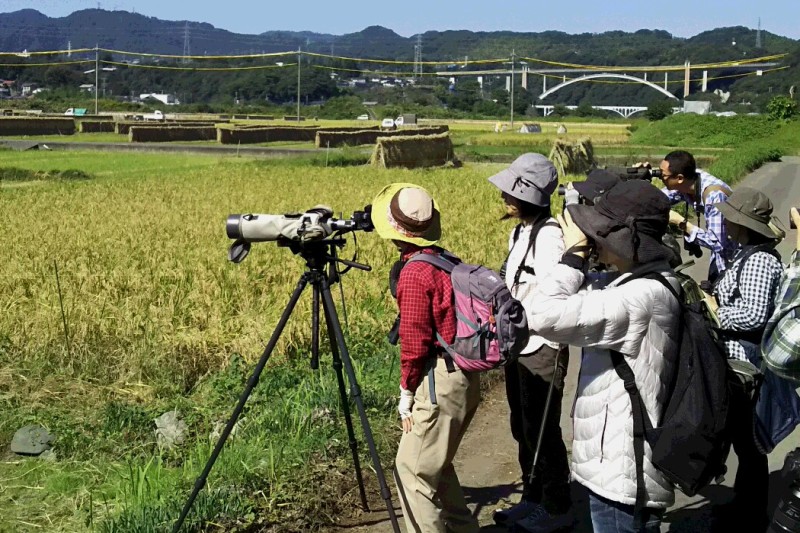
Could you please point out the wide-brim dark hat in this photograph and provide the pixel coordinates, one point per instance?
(630, 220)
(752, 209)
(597, 182)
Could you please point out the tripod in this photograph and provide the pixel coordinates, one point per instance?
(318, 255)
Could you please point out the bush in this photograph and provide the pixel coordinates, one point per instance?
(781, 108)
(658, 110)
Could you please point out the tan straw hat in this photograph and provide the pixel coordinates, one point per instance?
(407, 212)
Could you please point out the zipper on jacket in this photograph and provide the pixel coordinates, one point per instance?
(603, 434)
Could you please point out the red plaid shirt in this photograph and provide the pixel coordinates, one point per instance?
(425, 299)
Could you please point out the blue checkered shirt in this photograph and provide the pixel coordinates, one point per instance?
(750, 310)
(714, 236)
(781, 345)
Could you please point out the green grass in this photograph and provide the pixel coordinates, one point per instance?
(158, 319)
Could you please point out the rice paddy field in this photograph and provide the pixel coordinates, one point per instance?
(118, 303)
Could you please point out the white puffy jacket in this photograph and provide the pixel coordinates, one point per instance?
(638, 319)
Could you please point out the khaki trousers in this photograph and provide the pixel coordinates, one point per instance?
(430, 493)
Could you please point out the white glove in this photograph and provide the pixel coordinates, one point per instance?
(571, 196)
(406, 402)
(313, 225)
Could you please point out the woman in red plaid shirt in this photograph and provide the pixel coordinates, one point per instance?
(429, 489)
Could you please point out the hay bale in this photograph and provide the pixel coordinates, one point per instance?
(264, 134)
(561, 129)
(36, 126)
(413, 151)
(171, 133)
(96, 126)
(357, 137)
(573, 158)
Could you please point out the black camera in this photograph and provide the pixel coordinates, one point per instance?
(787, 514)
(625, 174)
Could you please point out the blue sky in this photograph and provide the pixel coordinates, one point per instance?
(682, 18)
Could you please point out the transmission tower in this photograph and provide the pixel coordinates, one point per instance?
(186, 48)
(418, 58)
(758, 34)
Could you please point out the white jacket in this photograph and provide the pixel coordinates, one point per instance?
(548, 249)
(638, 319)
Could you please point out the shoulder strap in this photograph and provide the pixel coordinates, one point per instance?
(440, 261)
(531, 249)
(641, 424)
(641, 420)
(656, 276)
(745, 256)
(715, 188)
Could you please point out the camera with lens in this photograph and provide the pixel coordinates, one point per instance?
(625, 174)
(316, 224)
(786, 518)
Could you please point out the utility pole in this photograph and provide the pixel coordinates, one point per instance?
(758, 34)
(96, 74)
(513, 58)
(418, 58)
(186, 46)
(298, 84)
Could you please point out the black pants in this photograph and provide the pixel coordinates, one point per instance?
(749, 507)
(527, 383)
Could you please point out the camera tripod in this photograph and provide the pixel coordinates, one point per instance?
(320, 257)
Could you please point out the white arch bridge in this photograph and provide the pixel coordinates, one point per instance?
(587, 77)
(625, 111)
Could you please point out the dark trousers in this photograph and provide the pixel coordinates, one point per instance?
(527, 383)
(751, 486)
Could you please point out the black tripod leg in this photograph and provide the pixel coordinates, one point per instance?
(355, 393)
(251, 383)
(348, 419)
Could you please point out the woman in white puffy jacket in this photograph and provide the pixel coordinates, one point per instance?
(634, 315)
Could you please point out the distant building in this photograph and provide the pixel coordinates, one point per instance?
(87, 87)
(28, 88)
(166, 99)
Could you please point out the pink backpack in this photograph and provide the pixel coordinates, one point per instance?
(491, 326)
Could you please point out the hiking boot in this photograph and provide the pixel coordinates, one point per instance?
(540, 521)
(506, 517)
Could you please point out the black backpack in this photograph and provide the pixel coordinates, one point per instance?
(691, 445)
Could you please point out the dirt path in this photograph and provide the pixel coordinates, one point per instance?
(486, 464)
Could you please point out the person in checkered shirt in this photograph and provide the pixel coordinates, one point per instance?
(746, 294)
(685, 183)
(434, 419)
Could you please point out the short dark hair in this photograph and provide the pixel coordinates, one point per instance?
(682, 162)
(532, 211)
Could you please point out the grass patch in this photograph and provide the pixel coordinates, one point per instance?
(686, 129)
(23, 174)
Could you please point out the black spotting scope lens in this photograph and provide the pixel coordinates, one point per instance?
(232, 227)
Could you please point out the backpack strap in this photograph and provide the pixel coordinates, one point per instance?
(715, 188)
(766, 248)
(531, 249)
(641, 423)
(443, 261)
(641, 420)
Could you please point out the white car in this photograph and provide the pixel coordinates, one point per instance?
(387, 123)
(362, 117)
(398, 121)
